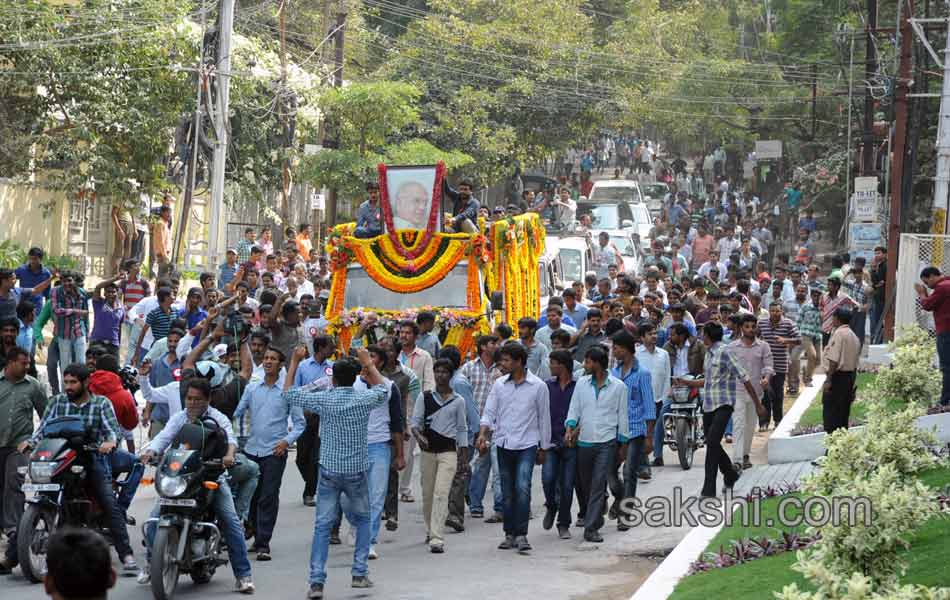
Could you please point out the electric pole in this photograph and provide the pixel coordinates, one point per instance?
(284, 116)
(942, 178)
(814, 100)
(223, 80)
(870, 71)
(195, 143)
(897, 170)
(337, 82)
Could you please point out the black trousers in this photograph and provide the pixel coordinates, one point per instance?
(836, 404)
(774, 400)
(391, 508)
(594, 465)
(308, 453)
(266, 500)
(714, 426)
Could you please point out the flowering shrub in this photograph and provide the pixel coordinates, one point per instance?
(889, 439)
(859, 560)
(870, 546)
(911, 376)
(857, 587)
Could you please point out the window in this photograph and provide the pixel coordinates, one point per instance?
(607, 216)
(572, 263)
(362, 291)
(610, 193)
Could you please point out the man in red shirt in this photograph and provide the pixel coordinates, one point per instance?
(938, 302)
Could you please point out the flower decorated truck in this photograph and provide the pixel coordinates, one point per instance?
(468, 280)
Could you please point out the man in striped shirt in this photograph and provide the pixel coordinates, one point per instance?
(159, 320)
(831, 302)
(781, 335)
(70, 314)
(482, 372)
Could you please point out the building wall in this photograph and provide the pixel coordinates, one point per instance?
(22, 217)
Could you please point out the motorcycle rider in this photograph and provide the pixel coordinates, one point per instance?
(197, 407)
(99, 417)
(105, 381)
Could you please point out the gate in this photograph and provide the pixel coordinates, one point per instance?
(916, 252)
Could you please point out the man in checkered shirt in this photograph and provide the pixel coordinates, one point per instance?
(99, 419)
(722, 375)
(344, 463)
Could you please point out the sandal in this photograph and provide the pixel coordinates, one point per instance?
(406, 498)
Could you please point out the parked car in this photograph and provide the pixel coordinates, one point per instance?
(616, 190)
(654, 193)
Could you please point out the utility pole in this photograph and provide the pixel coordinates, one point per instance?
(223, 75)
(942, 177)
(814, 100)
(284, 116)
(897, 172)
(337, 82)
(195, 143)
(870, 70)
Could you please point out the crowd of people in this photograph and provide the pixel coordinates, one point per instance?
(715, 312)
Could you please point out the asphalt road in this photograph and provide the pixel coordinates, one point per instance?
(471, 567)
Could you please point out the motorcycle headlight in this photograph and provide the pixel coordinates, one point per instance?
(42, 472)
(172, 487)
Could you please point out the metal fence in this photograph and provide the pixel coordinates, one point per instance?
(916, 252)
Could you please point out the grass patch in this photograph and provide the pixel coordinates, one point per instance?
(768, 523)
(926, 559)
(812, 415)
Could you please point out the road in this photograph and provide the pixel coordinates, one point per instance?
(470, 568)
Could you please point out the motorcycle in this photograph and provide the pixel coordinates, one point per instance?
(187, 538)
(62, 495)
(682, 424)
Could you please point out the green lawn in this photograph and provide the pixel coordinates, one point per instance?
(927, 558)
(812, 415)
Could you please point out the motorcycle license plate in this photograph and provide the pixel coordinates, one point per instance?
(30, 488)
(177, 502)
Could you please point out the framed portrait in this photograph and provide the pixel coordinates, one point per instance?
(411, 197)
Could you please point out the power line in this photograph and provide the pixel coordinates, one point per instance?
(393, 8)
(611, 67)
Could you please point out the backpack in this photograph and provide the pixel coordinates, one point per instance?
(437, 441)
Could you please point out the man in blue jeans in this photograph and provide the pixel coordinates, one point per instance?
(344, 462)
(641, 412)
(517, 415)
(99, 419)
(938, 302)
(560, 462)
(197, 407)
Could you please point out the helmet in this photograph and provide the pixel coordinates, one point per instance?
(214, 372)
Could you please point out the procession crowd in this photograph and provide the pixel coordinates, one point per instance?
(715, 312)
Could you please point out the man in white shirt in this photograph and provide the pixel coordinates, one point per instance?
(656, 360)
(713, 261)
(564, 207)
(554, 313)
(517, 415)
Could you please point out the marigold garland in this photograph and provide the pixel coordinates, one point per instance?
(461, 327)
(517, 246)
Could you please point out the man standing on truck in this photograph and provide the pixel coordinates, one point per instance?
(464, 206)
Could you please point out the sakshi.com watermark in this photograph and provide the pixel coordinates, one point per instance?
(683, 510)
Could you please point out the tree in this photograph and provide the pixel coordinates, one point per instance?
(93, 92)
(375, 123)
(501, 81)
